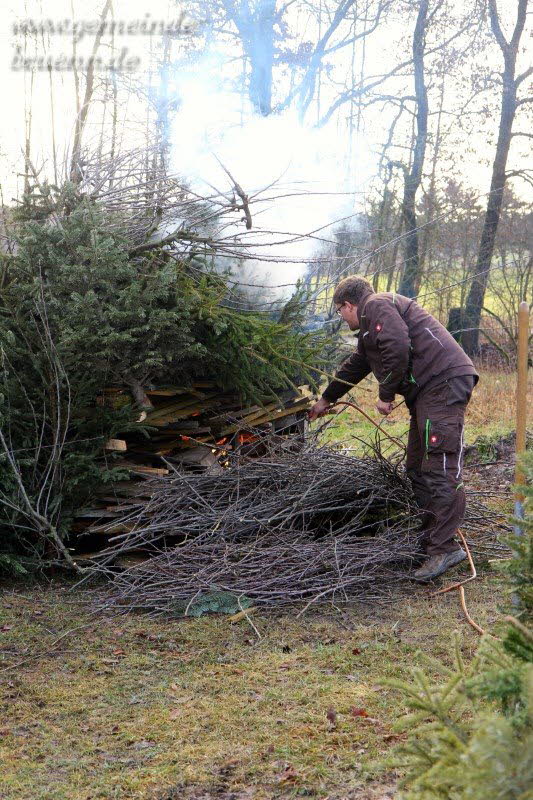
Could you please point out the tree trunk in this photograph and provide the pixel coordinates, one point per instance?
(476, 294)
(428, 234)
(163, 106)
(262, 58)
(256, 30)
(28, 119)
(81, 119)
(114, 116)
(52, 111)
(413, 178)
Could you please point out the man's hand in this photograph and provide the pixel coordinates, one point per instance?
(320, 408)
(384, 408)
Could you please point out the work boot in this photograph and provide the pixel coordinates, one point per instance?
(436, 565)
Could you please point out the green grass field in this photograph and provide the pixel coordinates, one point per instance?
(131, 708)
(100, 707)
(490, 413)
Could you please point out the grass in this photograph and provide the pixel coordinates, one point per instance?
(490, 413)
(133, 708)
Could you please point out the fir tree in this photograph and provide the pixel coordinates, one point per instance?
(472, 735)
(78, 313)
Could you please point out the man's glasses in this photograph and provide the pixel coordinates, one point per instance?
(339, 309)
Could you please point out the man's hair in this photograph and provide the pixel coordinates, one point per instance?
(351, 290)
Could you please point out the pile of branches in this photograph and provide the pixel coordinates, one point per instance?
(319, 525)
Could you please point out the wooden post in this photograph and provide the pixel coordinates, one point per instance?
(521, 392)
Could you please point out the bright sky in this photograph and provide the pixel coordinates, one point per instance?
(17, 83)
(208, 124)
(209, 120)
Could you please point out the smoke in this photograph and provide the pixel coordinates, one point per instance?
(311, 185)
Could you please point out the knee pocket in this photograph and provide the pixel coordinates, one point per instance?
(444, 491)
(441, 462)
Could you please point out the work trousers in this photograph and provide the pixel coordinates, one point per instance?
(434, 461)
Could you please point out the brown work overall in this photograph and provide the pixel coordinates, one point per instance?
(434, 460)
(412, 354)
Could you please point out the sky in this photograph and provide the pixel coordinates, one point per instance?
(207, 130)
(208, 127)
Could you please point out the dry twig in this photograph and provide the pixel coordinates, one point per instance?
(282, 529)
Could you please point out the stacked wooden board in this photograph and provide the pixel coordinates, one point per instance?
(188, 428)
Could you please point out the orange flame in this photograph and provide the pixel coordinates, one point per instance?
(247, 437)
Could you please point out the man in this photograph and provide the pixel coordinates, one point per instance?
(413, 355)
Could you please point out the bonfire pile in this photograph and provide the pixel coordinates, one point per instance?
(313, 526)
(196, 428)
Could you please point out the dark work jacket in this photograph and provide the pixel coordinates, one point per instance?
(405, 347)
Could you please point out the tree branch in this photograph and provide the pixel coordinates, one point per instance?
(520, 78)
(177, 235)
(496, 28)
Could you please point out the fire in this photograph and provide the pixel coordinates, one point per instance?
(186, 438)
(243, 438)
(222, 441)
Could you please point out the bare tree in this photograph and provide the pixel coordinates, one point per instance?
(28, 118)
(509, 105)
(260, 26)
(512, 281)
(305, 91)
(163, 104)
(81, 118)
(255, 25)
(413, 177)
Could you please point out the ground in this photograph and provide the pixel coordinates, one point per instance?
(94, 706)
(133, 708)
(489, 416)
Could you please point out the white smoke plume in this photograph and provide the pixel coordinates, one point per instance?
(211, 126)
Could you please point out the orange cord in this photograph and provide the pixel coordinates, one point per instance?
(353, 405)
(460, 587)
(460, 584)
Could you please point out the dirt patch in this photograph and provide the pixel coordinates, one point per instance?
(202, 793)
(490, 464)
(205, 710)
(374, 791)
